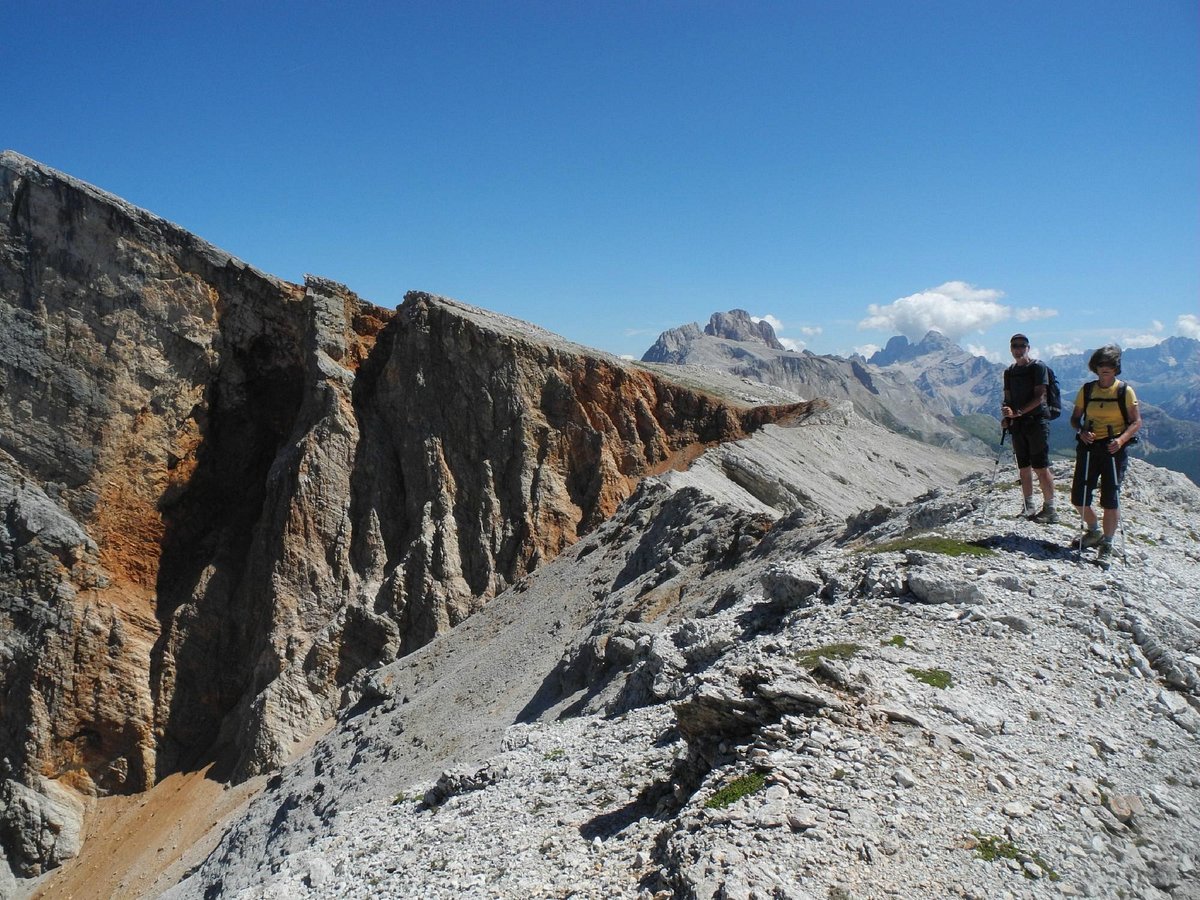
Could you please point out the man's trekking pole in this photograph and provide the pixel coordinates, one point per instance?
(995, 468)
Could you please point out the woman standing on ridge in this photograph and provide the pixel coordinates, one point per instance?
(1106, 419)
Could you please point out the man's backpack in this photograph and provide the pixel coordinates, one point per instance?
(1053, 391)
(1087, 398)
(1054, 395)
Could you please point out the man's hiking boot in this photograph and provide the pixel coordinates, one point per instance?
(1104, 554)
(1091, 538)
(1047, 516)
(1028, 509)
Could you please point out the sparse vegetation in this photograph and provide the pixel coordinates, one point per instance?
(932, 543)
(896, 640)
(400, 798)
(740, 787)
(938, 678)
(556, 753)
(809, 658)
(991, 847)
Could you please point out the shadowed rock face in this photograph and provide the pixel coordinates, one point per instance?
(222, 495)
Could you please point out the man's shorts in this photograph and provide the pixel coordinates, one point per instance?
(1031, 444)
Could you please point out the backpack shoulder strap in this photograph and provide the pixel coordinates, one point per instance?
(1087, 397)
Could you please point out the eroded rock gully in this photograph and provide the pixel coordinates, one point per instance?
(222, 495)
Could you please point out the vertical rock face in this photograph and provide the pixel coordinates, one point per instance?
(222, 495)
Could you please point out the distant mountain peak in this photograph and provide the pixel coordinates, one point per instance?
(936, 340)
(900, 349)
(738, 325)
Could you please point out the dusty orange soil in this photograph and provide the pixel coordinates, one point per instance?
(137, 846)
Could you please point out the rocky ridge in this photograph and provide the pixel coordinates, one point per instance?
(224, 496)
(928, 700)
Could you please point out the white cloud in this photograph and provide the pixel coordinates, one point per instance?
(1131, 341)
(989, 355)
(1157, 325)
(770, 320)
(1062, 350)
(953, 308)
(1188, 326)
(1033, 313)
(787, 343)
(626, 356)
(867, 350)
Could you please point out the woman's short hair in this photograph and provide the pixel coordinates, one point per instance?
(1109, 355)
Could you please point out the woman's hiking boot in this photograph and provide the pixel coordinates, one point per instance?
(1091, 538)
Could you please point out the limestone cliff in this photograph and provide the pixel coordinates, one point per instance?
(223, 495)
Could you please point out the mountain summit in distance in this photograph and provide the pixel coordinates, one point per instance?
(732, 342)
(900, 349)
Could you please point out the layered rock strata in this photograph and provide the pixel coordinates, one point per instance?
(222, 495)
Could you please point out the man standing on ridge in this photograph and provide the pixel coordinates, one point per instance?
(1025, 417)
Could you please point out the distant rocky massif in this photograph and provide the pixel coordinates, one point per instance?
(732, 342)
(452, 607)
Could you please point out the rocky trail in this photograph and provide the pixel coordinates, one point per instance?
(932, 705)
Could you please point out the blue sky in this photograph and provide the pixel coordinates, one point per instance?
(608, 170)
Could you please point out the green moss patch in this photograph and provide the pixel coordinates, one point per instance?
(740, 787)
(938, 678)
(809, 658)
(991, 847)
(932, 543)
